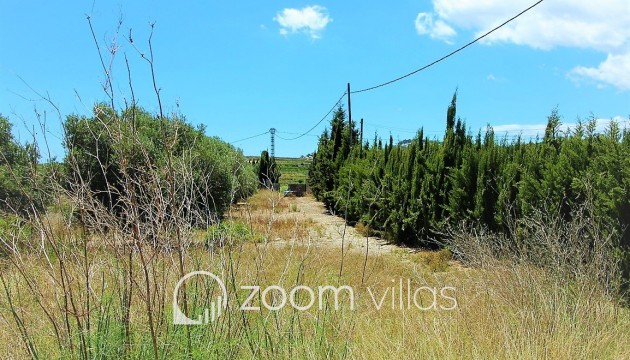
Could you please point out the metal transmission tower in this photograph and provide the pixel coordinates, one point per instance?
(272, 131)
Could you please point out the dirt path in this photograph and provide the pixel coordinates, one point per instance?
(331, 231)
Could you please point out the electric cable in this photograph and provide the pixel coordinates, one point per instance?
(251, 137)
(319, 122)
(448, 55)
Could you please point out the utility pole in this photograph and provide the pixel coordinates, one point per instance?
(272, 131)
(361, 137)
(349, 115)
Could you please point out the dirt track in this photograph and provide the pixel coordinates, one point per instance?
(331, 231)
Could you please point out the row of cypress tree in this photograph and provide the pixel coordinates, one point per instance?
(410, 193)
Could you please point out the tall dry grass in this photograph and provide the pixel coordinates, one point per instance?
(505, 308)
(271, 216)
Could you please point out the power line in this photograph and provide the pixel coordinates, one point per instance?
(298, 135)
(290, 133)
(380, 126)
(319, 122)
(251, 137)
(450, 54)
(397, 79)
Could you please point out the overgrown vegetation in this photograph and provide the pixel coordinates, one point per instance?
(111, 151)
(507, 308)
(414, 193)
(270, 216)
(20, 181)
(91, 255)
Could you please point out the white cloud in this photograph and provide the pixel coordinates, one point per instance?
(600, 25)
(515, 129)
(423, 23)
(441, 30)
(310, 20)
(614, 70)
(586, 24)
(435, 29)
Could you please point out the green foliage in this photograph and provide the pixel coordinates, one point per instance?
(294, 171)
(414, 192)
(134, 151)
(230, 232)
(268, 171)
(332, 153)
(19, 177)
(14, 231)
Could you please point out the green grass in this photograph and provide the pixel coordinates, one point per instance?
(294, 171)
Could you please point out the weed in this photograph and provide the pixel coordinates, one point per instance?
(230, 233)
(437, 261)
(364, 229)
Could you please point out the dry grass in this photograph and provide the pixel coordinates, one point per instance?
(509, 310)
(364, 230)
(498, 316)
(268, 200)
(274, 217)
(437, 261)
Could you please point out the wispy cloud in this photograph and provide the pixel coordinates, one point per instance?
(438, 29)
(584, 24)
(310, 20)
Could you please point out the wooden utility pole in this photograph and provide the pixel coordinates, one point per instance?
(349, 115)
(361, 137)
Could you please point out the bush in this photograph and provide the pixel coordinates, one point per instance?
(18, 173)
(582, 253)
(230, 232)
(13, 232)
(160, 164)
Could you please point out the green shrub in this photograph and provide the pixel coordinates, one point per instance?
(18, 165)
(230, 232)
(13, 232)
(158, 160)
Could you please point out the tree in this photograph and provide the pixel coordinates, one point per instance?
(18, 170)
(412, 193)
(320, 179)
(332, 152)
(268, 172)
(117, 155)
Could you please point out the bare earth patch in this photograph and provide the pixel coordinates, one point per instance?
(325, 230)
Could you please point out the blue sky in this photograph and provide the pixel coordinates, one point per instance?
(242, 67)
